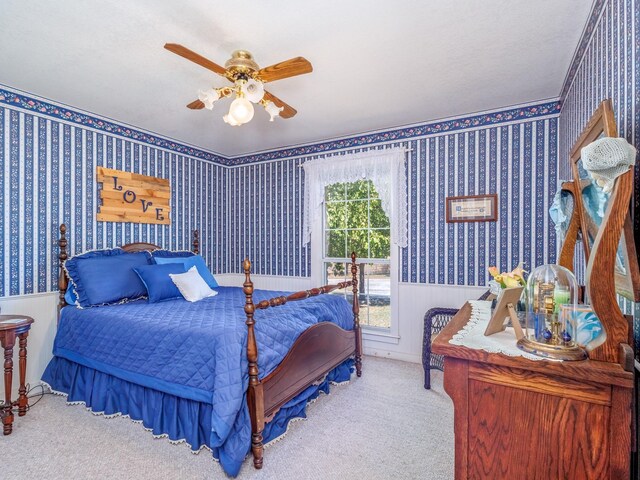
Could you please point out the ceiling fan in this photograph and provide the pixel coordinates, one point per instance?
(248, 84)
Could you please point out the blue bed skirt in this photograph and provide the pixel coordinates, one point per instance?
(164, 414)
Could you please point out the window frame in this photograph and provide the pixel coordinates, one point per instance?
(378, 334)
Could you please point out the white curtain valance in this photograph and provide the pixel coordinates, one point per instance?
(385, 168)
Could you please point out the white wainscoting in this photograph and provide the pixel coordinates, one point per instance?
(42, 308)
(266, 282)
(415, 300)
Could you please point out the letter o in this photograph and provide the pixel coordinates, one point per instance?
(129, 195)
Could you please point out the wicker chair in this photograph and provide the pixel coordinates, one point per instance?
(434, 321)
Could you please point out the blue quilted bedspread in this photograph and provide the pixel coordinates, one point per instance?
(194, 350)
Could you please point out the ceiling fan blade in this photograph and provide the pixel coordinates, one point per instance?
(288, 68)
(288, 111)
(196, 105)
(194, 57)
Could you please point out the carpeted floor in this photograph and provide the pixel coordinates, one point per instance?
(383, 425)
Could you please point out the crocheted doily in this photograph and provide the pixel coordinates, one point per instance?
(472, 334)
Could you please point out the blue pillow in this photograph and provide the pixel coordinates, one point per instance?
(104, 277)
(188, 262)
(171, 254)
(156, 279)
(70, 295)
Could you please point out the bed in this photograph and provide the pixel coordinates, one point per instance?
(227, 373)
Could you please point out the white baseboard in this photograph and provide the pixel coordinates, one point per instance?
(405, 357)
(266, 282)
(414, 300)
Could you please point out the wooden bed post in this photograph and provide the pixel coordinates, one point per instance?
(62, 276)
(196, 242)
(255, 396)
(356, 314)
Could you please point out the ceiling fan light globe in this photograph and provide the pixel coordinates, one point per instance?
(208, 97)
(241, 110)
(272, 110)
(253, 90)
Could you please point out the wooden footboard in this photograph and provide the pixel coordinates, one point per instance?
(317, 351)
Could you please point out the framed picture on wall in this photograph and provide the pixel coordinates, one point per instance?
(472, 208)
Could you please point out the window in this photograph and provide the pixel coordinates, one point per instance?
(355, 221)
(344, 212)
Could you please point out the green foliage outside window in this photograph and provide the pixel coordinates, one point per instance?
(355, 221)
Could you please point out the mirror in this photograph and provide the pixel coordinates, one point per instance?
(593, 205)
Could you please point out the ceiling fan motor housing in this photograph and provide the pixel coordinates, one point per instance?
(241, 62)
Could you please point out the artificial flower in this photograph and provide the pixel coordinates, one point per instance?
(514, 278)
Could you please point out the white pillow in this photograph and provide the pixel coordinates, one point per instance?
(191, 285)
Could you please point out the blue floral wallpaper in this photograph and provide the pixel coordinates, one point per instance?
(604, 66)
(512, 152)
(28, 103)
(399, 134)
(48, 158)
(252, 206)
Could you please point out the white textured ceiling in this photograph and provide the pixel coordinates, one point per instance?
(377, 64)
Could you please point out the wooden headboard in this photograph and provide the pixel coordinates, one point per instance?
(63, 279)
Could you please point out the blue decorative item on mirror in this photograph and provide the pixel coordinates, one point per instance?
(589, 332)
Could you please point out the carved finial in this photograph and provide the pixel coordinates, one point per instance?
(62, 276)
(62, 243)
(196, 242)
(247, 288)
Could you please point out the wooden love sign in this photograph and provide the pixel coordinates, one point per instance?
(131, 197)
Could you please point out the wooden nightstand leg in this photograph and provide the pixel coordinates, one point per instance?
(22, 392)
(8, 342)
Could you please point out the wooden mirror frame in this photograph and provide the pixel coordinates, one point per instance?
(602, 282)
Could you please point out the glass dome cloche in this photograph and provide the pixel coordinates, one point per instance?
(551, 297)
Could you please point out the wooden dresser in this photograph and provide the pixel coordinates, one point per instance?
(522, 419)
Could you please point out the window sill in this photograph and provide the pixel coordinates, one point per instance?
(376, 336)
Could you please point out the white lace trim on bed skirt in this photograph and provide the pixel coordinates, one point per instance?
(472, 334)
(183, 440)
(120, 414)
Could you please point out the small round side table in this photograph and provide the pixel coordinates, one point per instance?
(12, 327)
